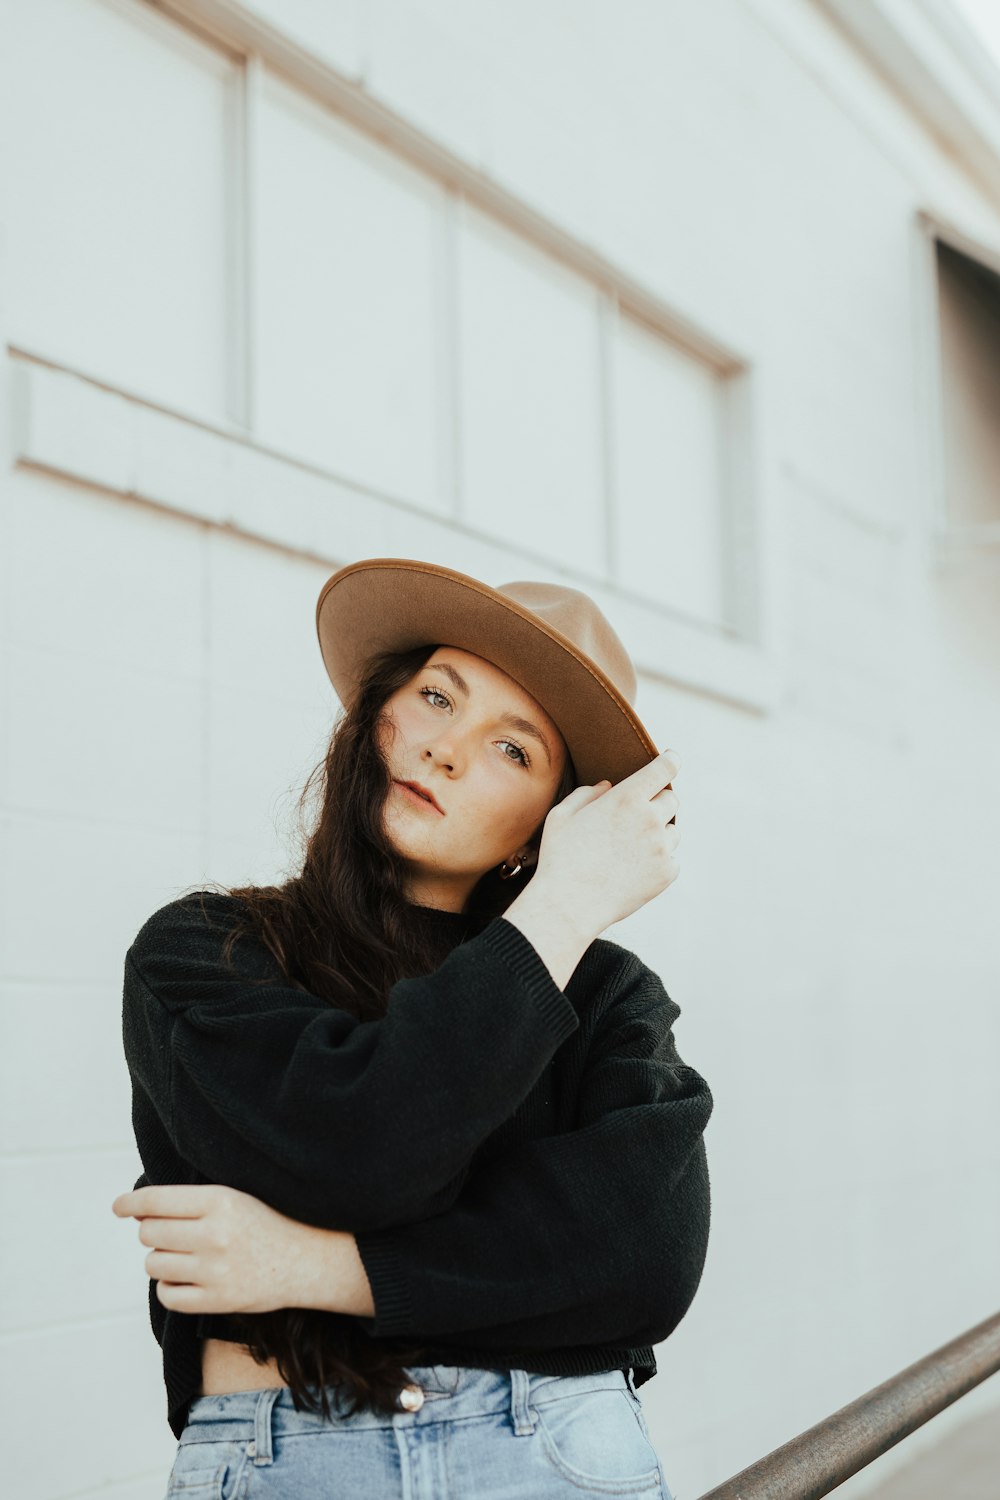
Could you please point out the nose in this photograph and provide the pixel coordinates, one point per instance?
(442, 757)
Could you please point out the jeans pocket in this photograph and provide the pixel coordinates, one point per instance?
(592, 1439)
(206, 1471)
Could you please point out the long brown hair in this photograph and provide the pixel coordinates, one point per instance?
(343, 930)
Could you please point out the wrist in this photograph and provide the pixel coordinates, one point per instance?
(544, 898)
(330, 1275)
(558, 934)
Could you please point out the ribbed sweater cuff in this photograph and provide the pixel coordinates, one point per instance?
(392, 1292)
(510, 943)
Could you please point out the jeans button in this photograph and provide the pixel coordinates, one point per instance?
(411, 1398)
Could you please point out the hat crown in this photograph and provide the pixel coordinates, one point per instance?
(574, 615)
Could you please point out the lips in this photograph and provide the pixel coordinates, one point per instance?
(422, 791)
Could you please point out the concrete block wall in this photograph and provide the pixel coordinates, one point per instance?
(829, 939)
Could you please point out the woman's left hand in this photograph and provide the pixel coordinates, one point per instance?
(219, 1250)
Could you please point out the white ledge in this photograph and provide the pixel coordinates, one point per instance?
(67, 424)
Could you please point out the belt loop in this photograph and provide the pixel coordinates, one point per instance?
(630, 1377)
(520, 1411)
(260, 1448)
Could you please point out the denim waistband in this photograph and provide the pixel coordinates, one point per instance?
(447, 1393)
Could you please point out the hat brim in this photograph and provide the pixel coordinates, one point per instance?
(395, 604)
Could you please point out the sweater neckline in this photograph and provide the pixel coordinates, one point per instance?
(437, 916)
(438, 925)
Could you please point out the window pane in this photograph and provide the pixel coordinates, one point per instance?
(117, 139)
(347, 317)
(529, 383)
(668, 461)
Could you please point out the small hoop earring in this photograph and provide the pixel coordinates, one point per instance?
(506, 872)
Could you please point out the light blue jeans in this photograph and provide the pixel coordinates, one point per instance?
(469, 1434)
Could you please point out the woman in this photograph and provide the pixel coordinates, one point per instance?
(425, 1177)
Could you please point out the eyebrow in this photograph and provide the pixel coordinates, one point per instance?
(514, 721)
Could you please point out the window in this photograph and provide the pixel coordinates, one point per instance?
(968, 293)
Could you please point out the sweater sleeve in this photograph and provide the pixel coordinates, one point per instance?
(329, 1119)
(598, 1234)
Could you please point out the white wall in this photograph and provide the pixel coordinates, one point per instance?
(194, 435)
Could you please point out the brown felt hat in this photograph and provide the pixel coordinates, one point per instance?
(552, 640)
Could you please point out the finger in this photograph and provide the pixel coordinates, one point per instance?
(583, 790)
(657, 773)
(169, 1200)
(167, 1265)
(172, 1234)
(181, 1298)
(669, 760)
(666, 797)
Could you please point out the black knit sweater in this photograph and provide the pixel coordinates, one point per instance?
(523, 1167)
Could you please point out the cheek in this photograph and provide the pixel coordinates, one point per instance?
(400, 721)
(521, 813)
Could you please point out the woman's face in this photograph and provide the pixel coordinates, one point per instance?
(452, 729)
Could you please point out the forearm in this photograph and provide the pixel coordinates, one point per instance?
(282, 1096)
(541, 1248)
(558, 935)
(326, 1272)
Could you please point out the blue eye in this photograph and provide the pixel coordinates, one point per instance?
(525, 761)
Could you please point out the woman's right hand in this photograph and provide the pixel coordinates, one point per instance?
(606, 850)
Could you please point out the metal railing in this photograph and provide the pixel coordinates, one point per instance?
(821, 1458)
